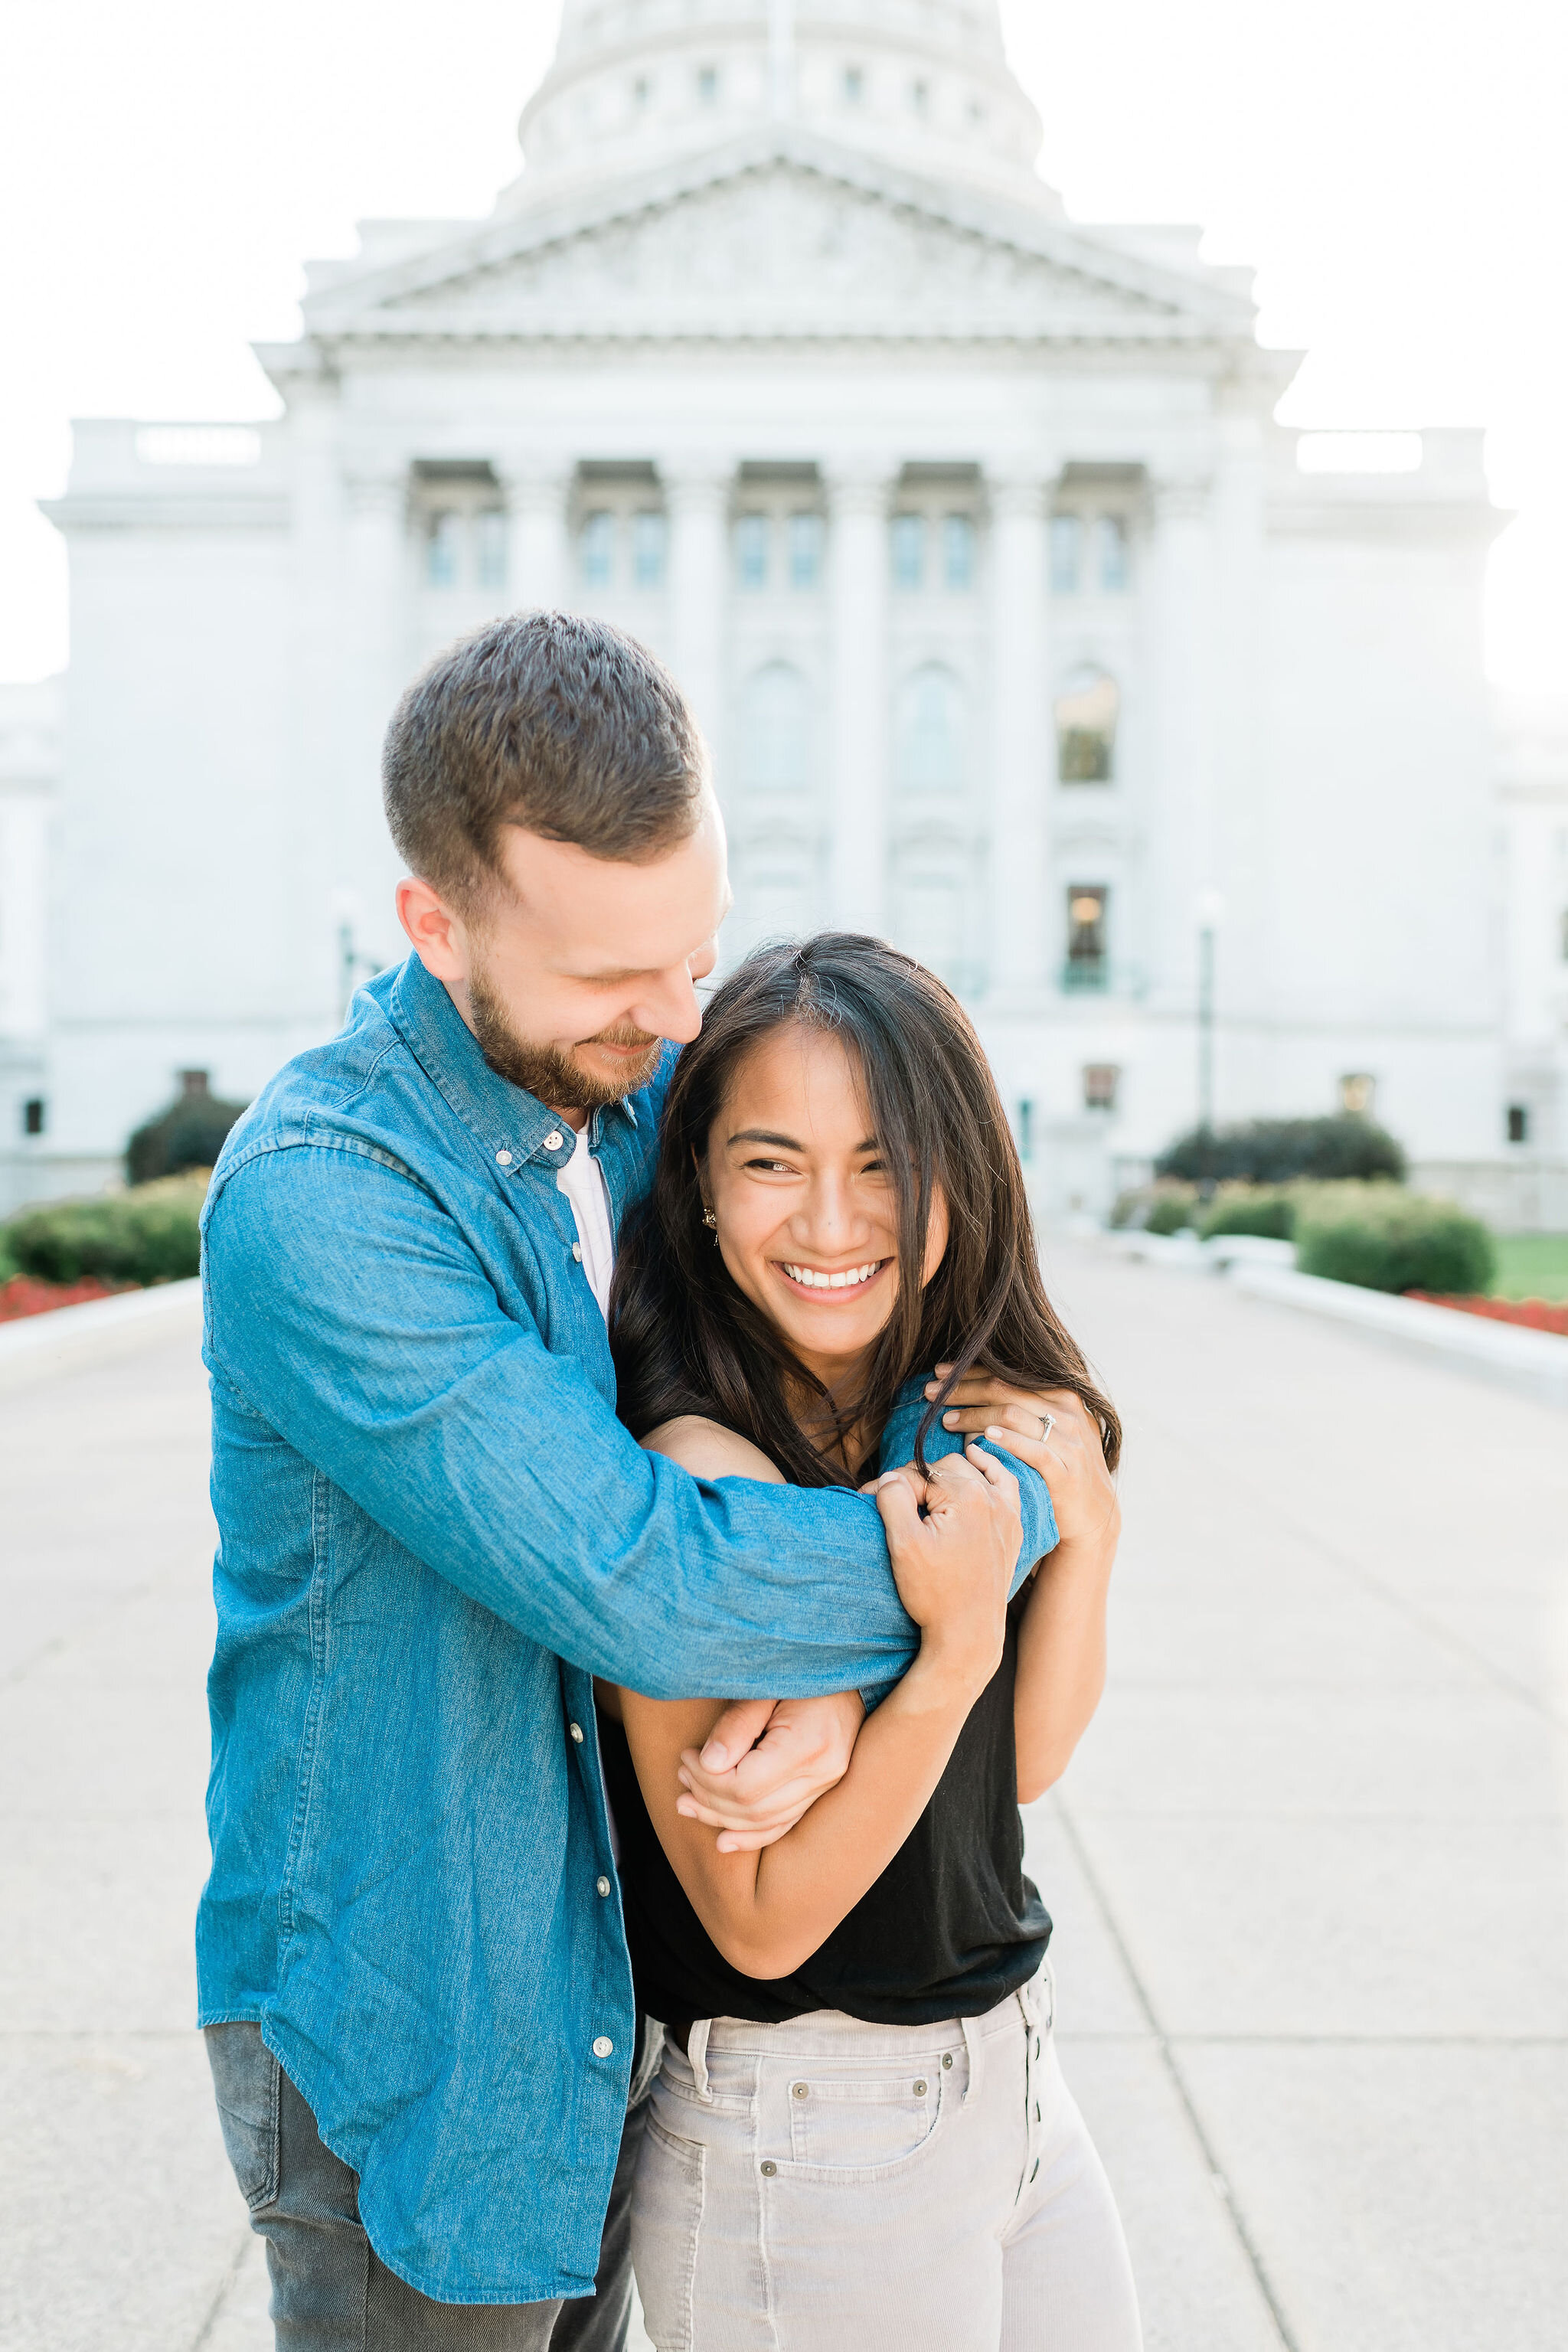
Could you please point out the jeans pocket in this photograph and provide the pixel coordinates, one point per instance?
(667, 2217)
(861, 2127)
(245, 2079)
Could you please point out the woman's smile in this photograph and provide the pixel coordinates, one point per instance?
(851, 1281)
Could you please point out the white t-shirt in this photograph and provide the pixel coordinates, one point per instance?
(582, 1181)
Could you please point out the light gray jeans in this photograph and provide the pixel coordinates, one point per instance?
(828, 2186)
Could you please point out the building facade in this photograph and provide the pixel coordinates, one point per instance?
(1018, 632)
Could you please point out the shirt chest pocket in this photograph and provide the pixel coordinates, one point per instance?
(862, 2124)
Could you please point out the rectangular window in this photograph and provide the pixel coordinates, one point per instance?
(490, 547)
(1088, 965)
(708, 85)
(1519, 1122)
(1066, 537)
(597, 548)
(804, 550)
(1110, 548)
(751, 532)
(1358, 1093)
(909, 551)
(1101, 1080)
(958, 550)
(1026, 1124)
(443, 542)
(854, 85)
(649, 538)
(32, 1116)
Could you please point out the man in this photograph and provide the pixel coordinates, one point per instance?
(434, 1531)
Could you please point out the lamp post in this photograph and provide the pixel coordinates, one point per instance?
(1211, 908)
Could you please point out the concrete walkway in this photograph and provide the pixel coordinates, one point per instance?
(1309, 1870)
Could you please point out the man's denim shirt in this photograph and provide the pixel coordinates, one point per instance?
(425, 1505)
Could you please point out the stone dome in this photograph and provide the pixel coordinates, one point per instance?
(922, 83)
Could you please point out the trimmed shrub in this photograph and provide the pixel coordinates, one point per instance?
(1250, 1209)
(1170, 1210)
(189, 1134)
(143, 1236)
(1280, 1151)
(1382, 1238)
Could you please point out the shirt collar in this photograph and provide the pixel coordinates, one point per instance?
(511, 1126)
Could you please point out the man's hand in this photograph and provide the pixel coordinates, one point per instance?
(765, 1764)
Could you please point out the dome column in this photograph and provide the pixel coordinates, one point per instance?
(1022, 738)
(697, 497)
(858, 589)
(536, 496)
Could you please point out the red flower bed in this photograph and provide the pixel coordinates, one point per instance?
(1530, 1314)
(24, 1294)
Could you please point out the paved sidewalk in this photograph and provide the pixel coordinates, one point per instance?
(1309, 1870)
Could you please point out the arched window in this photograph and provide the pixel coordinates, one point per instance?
(930, 731)
(775, 731)
(1085, 727)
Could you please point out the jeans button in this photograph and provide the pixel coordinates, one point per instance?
(769, 2168)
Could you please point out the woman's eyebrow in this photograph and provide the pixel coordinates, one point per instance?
(787, 1143)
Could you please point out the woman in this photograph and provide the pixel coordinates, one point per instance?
(859, 2137)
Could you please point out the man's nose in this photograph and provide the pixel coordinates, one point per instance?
(670, 1008)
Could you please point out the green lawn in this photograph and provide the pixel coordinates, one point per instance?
(1532, 1265)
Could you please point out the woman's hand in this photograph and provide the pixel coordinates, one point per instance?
(1070, 1456)
(954, 1567)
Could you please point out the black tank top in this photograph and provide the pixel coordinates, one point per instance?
(949, 1928)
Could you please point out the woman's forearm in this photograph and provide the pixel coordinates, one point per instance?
(769, 1911)
(1061, 1660)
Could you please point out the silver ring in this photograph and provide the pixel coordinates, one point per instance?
(1047, 1424)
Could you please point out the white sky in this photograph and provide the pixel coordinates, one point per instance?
(1398, 172)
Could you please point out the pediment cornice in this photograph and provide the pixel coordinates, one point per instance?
(779, 233)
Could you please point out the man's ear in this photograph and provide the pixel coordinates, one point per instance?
(436, 931)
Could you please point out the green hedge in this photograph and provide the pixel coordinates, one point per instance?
(1250, 1209)
(146, 1236)
(1171, 1211)
(1382, 1238)
(1281, 1151)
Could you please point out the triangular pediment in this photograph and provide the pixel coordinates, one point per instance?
(782, 238)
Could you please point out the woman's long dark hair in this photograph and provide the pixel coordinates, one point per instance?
(687, 1340)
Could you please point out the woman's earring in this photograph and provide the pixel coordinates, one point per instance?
(711, 1222)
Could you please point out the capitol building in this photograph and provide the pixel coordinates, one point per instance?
(1020, 632)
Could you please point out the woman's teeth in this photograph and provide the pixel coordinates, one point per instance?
(808, 1277)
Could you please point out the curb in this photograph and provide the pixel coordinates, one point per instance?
(1533, 1361)
(72, 1338)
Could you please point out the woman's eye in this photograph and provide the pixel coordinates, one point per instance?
(772, 1167)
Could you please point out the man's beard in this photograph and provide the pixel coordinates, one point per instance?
(556, 1077)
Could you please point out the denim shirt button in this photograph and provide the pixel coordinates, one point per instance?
(503, 1160)
(577, 1252)
(553, 1141)
(576, 1731)
(603, 2047)
(602, 1884)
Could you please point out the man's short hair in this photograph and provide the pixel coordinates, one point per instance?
(550, 721)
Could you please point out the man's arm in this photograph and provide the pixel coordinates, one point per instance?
(358, 1322)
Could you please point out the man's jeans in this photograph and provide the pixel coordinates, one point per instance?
(331, 2290)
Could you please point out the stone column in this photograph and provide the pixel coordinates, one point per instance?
(1022, 749)
(697, 500)
(858, 876)
(380, 658)
(1182, 846)
(537, 495)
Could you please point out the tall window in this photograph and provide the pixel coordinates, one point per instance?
(649, 536)
(805, 538)
(1067, 554)
(597, 548)
(752, 534)
(1101, 1080)
(708, 85)
(909, 551)
(1085, 727)
(958, 550)
(775, 731)
(854, 85)
(1518, 1125)
(490, 547)
(1087, 959)
(1111, 566)
(930, 732)
(1358, 1093)
(443, 547)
